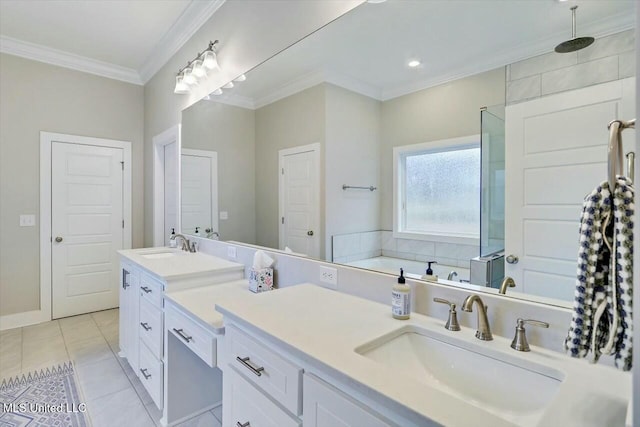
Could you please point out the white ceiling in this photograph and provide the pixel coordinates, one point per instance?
(367, 49)
(119, 39)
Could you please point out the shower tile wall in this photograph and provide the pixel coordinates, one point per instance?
(358, 246)
(608, 58)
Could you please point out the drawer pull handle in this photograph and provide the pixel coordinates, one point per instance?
(245, 361)
(182, 335)
(145, 326)
(238, 424)
(146, 290)
(145, 374)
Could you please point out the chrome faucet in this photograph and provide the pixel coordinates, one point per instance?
(452, 274)
(186, 244)
(484, 331)
(508, 282)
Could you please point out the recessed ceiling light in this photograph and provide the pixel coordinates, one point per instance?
(413, 63)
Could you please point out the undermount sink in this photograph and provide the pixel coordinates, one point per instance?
(160, 253)
(508, 386)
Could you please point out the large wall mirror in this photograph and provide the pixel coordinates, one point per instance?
(408, 132)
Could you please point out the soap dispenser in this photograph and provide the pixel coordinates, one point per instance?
(429, 273)
(197, 232)
(401, 299)
(172, 239)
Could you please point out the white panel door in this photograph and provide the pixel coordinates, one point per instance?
(199, 189)
(170, 190)
(87, 227)
(300, 202)
(556, 153)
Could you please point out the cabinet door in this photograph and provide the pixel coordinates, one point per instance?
(326, 406)
(245, 405)
(128, 322)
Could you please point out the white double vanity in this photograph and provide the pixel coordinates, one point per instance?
(308, 356)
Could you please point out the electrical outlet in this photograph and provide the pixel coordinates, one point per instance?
(224, 215)
(27, 220)
(329, 276)
(232, 252)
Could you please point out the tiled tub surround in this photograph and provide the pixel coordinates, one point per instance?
(608, 58)
(369, 244)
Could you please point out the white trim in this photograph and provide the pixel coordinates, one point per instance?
(398, 194)
(290, 88)
(167, 137)
(315, 148)
(213, 157)
(46, 139)
(18, 320)
(193, 17)
(64, 59)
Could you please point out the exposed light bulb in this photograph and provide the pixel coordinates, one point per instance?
(413, 63)
(217, 92)
(210, 61)
(198, 69)
(240, 78)
(228, 85)
(181, 86)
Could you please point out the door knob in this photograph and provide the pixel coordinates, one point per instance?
(310, 233)
(58, 239)
(512, 259)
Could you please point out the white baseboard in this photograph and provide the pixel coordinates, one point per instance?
(26, 318)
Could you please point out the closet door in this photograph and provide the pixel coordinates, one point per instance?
(556, 153)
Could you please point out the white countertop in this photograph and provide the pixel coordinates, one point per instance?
(200, 302)
(324, 326)
(181, 265)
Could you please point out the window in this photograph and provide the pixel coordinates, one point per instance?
(438, 189)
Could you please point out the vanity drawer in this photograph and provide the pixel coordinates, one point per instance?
(151, 372)
(199, 340)
(244, 403)
(151, 290)
(278, 377)
(150, 325)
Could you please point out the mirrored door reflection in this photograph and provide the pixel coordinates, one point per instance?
(199, 192)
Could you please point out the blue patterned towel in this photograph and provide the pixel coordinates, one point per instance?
(602, 320)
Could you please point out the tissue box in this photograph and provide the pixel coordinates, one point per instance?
(261, 280)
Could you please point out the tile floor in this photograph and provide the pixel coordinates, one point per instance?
(113, 393)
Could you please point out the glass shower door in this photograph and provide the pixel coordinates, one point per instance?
(492, 179)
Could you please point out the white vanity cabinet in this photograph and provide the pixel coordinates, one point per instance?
(144, 281)
(266, 386)
(326, 406)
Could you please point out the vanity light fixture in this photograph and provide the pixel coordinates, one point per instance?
(217, 92)
(196, 69)
(240, 78)
(413, 63)
(228, 85)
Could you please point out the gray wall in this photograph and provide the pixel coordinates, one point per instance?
(229, 131)
(296, 120)
(445, 111)
(352, 157)
(608, 58)
(39, 97)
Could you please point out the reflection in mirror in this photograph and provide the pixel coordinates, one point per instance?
(404, 133)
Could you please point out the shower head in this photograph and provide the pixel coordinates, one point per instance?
(576, 43)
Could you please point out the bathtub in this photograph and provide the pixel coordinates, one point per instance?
(414, 268)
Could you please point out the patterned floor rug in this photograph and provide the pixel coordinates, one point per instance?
(48, 398)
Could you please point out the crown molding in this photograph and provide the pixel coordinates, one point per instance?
(296, 85)
(64, 59)
(602, 28)
(231, 99)
(193, 17)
